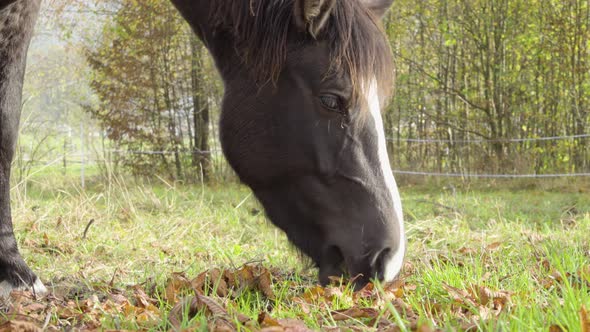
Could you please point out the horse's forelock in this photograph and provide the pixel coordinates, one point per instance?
(360, 48)
(260, 30)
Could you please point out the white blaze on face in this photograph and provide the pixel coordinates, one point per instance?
(394, 265)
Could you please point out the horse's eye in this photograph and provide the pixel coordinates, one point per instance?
(332, 103)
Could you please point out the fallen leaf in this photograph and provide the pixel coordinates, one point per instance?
(230, 277)
(243, 319)
(332, 293)
(198, 283)
(405, 310)
(458, 295)
(556, 328)
(434, 309)
(142, 299)
(215, 308)
(69, 311)
(265, 284)
(584, 320)
(494, 246)
(189, 306)
(176, 284)
(19, 326)
(118, 298)
(354, 313)
(486, 296)
(129, 309)
(34, 307)
(408, 268)
(304, 305)
(254, 277)
(294, 325)
(193, 305)
(314, 294)
(245, 276)
(366, 292)
(546, 265)
(395, 288)
(265, 320)
(466, 251)
(221, 326)
(218, 283)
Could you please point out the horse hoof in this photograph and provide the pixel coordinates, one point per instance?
(37, 288)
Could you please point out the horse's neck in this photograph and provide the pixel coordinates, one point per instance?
(197, 12)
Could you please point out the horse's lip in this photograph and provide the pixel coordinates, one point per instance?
(335, 264)
(379, 261)
(332, 264)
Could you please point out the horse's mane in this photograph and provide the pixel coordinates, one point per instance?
(260, 29)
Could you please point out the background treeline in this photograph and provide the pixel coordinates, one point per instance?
(493, 70)
(479, 80)
(158, 91)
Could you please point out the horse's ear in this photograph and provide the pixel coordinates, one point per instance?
(378, 7)
(312, 15)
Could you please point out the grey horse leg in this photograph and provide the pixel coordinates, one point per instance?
(17, 20)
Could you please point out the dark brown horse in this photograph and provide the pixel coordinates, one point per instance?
(301, 125)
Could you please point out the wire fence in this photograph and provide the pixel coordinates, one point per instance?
(507, 140)
(88, 159)
(430, 157)
(493, 176)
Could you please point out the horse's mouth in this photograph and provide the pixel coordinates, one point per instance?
(334, 265)
(331, 265)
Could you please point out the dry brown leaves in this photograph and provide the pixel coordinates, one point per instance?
(478, 302)
(20, 326)
(24, 312)
(211, 295)
(211, 292)
(584, 322)
(315, 300)
(578, 280)
(269, 324)
(248, 277)
(221, 283)
(220, 320)
(369, 307)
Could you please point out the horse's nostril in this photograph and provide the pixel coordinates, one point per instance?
(380, 262)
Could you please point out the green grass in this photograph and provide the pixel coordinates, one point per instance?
(506, 240)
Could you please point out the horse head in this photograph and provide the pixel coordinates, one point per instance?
(301, 124)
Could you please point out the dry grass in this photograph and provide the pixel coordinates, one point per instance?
(529, 244)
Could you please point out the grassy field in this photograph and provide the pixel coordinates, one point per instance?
(121, 255)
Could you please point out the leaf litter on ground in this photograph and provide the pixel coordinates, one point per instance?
(209, 295)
